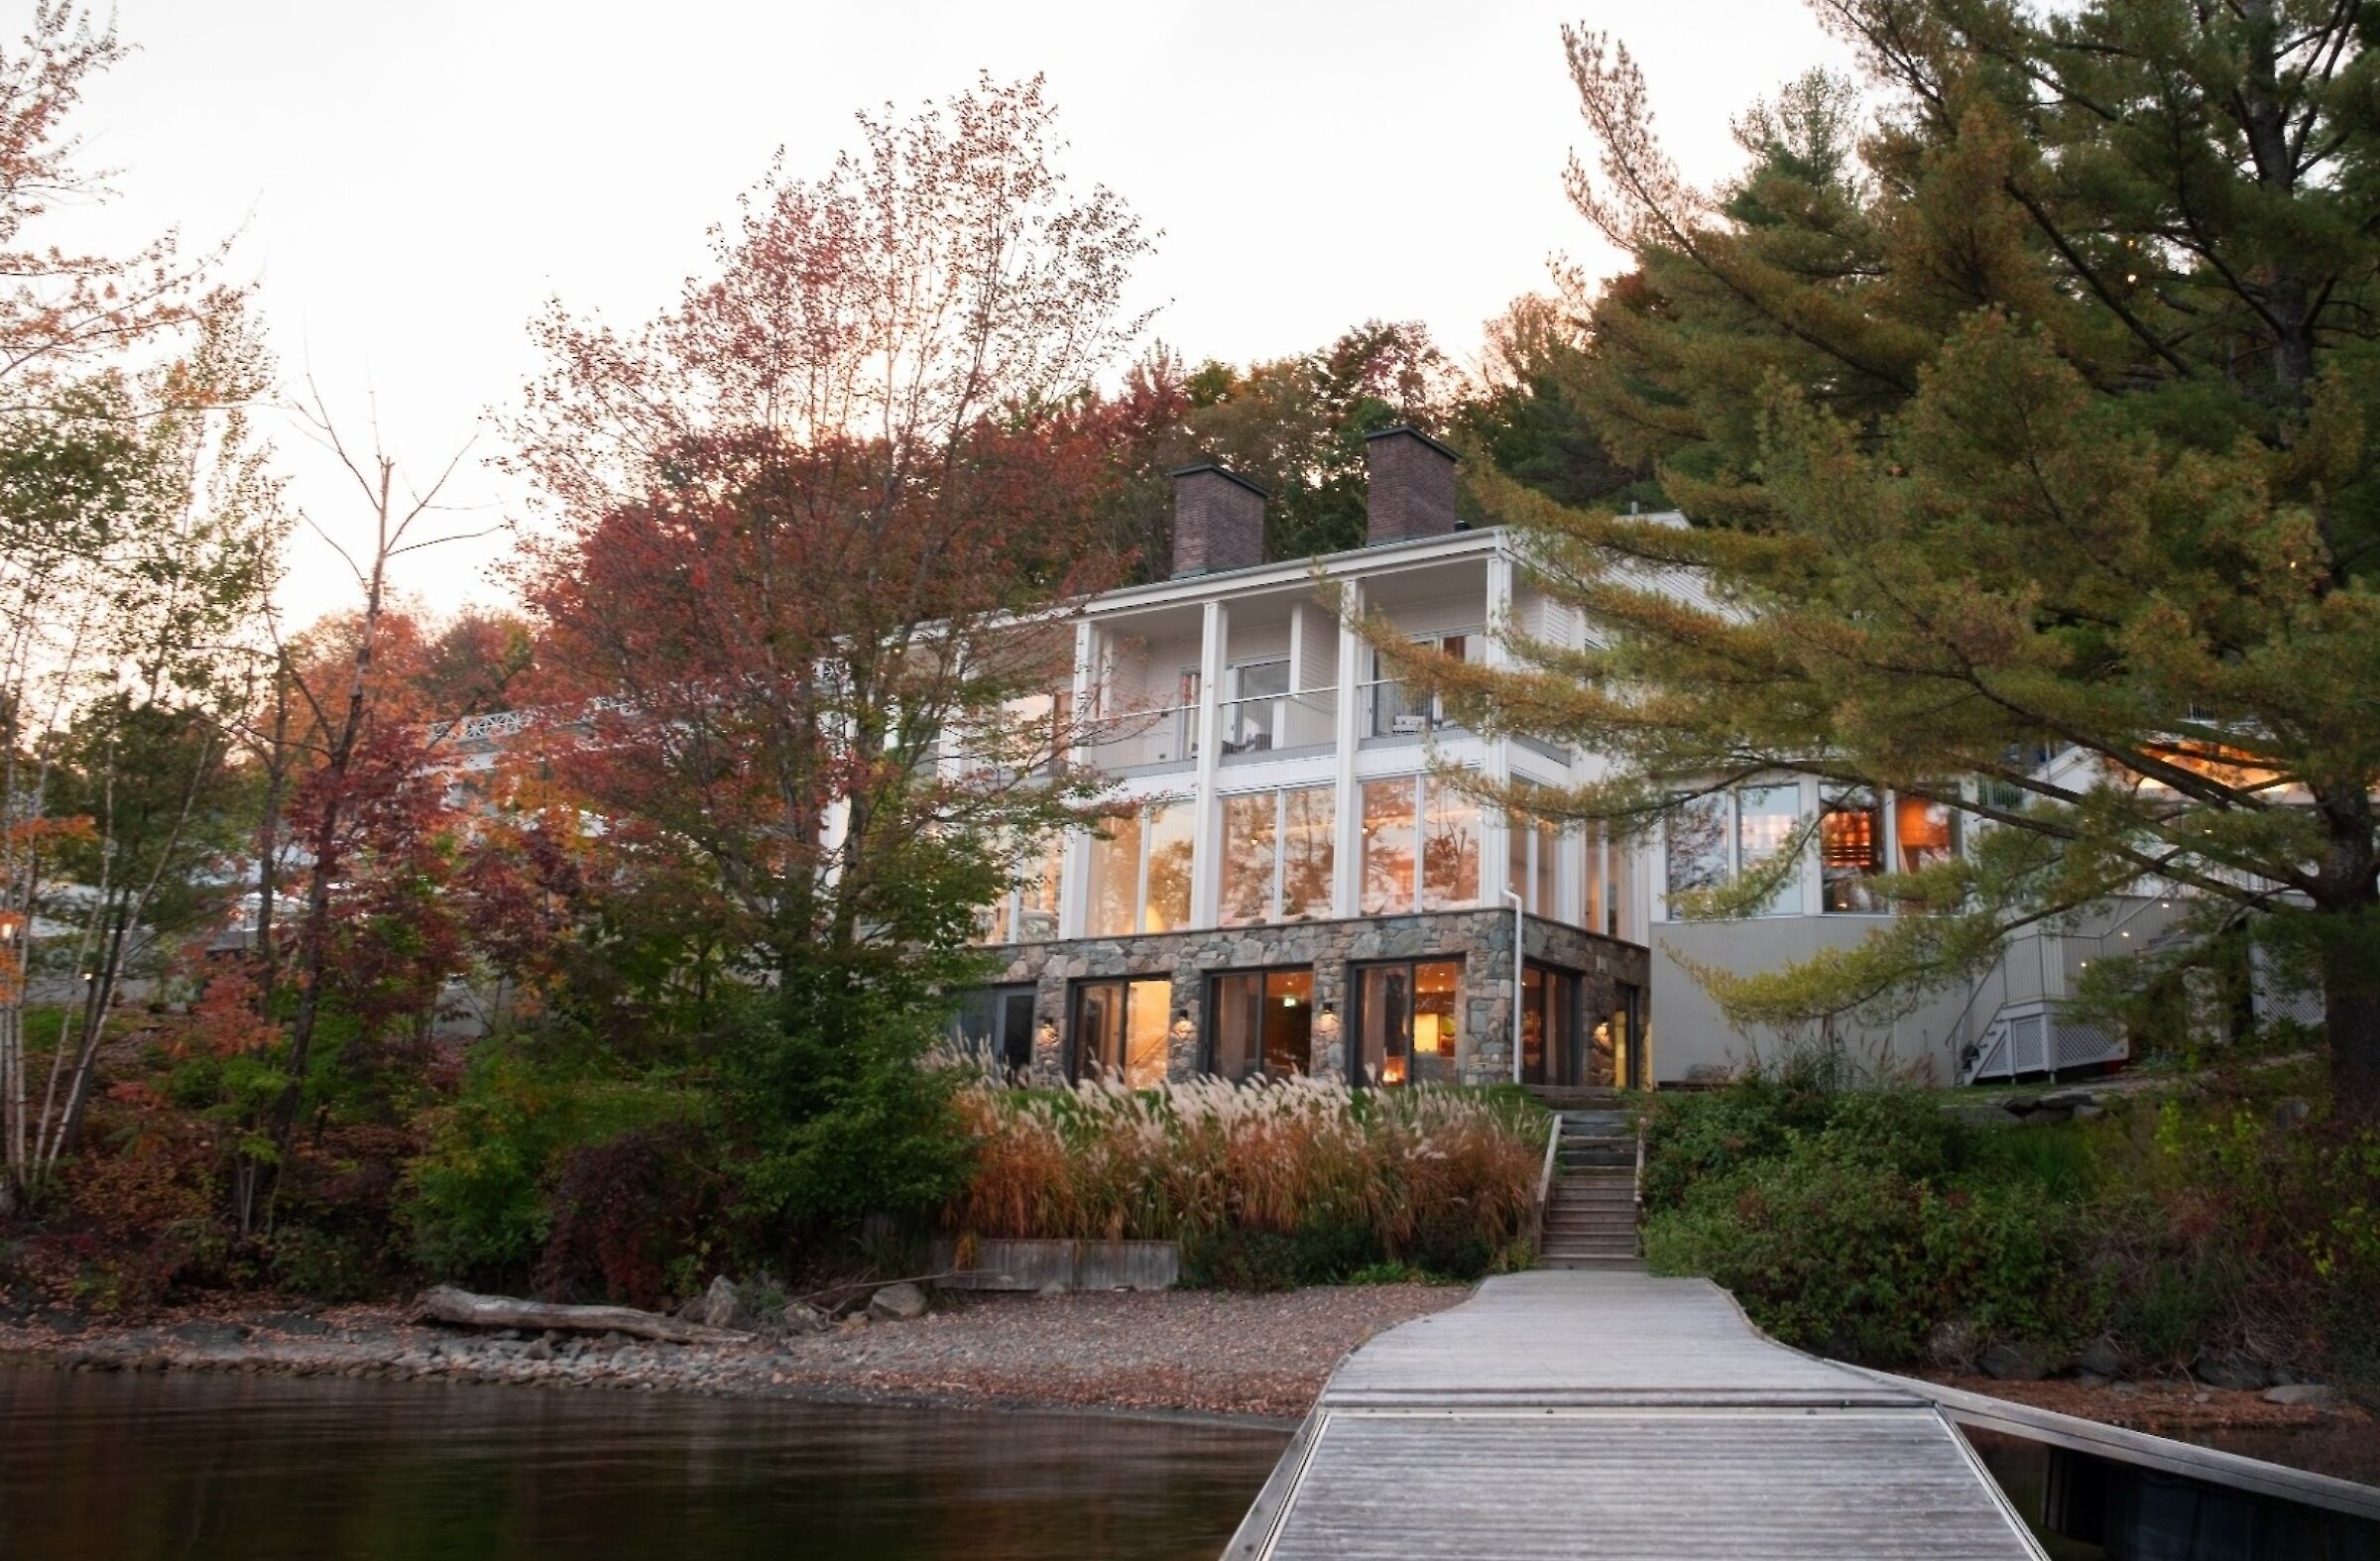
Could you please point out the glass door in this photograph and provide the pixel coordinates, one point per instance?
(1119, 1031)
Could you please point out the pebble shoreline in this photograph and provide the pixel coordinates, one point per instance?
(1211, 1353)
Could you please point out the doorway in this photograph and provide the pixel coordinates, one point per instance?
(1406, 1022)
(1259, 1022)
(1119, 1031)
(1551, 1047)
(1614, 1057)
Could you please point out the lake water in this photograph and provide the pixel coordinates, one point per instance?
(120, 1467)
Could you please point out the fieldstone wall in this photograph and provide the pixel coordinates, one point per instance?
(1482, 939)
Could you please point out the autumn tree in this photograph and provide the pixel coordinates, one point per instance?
(808, 529)
(116, 373)
(2023, 405)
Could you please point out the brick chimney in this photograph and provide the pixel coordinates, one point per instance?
(1217, 521)
(1412, 484)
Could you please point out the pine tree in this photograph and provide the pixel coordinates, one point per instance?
(2022, 403)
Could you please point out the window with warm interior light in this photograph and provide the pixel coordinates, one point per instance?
(1119, 1031)
(1406, 1022)
(1851, 851)
(1259, 1022)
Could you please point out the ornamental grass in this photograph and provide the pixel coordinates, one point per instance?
(1205, 1157)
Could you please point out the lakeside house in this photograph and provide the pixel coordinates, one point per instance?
(1296, 886)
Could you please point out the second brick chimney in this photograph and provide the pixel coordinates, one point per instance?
(1217, 521)
(1412, 484)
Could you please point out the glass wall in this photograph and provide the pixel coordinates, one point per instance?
(1419, 816)
(1449, 847)
(1115, 887)
(1309, 849)
(1768, 819)
(1250, 857)
(1698, 844)
(1171, 828)
(1406, 1022)
(1260, 1022)
(1388, 840)
(1119, 1031)
(1533, 848)
(1277, 853)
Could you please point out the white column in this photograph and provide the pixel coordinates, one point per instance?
(1347, 870)
(1205, 856)
(1495, 758)
(1074, 869)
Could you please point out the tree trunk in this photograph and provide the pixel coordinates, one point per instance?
(462, 1309)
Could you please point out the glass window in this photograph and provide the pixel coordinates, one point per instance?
(1619, 886)
(1450, 848)
(1549, 1039)
(1924, 833)
(1533, 849)
(1851, 851)
(996, 1023)
(1388, 831)
(1169, 843)
(1698, 844)
(1114, 877)
(1767, 818)
(1309, 847)
(1037, 898)
(1120, 1030)
(1250, 856)
(1406, 1022)
(1260, 1021)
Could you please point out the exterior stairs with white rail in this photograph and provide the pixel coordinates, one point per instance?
(1592, 1199)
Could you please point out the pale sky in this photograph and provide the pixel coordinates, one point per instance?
(410, 182)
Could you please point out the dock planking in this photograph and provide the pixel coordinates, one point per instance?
(1605, 1412)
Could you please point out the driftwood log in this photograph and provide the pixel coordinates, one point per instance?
(462, 1309)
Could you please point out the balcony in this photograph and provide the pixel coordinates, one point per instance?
(1281, 725)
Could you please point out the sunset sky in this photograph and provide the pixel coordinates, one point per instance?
(410, 182)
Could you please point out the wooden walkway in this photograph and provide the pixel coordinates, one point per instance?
(1607, 1414)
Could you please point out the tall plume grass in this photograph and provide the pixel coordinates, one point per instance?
(1195, 1158)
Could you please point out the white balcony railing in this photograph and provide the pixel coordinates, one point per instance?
(1274, 723)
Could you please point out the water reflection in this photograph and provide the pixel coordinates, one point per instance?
(108, 1468)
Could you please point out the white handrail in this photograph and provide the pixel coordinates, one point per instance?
(1545, 1183)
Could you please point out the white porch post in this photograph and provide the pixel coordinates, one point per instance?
(1074, 869)
(1206, 821)
(1495, 753)
(1347, 870)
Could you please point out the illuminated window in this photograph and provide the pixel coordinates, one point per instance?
(1278, 848)
(1768, 820)
(1406, 1022)
(1851, 851)
(1388, 840)
(1449, 847)
(1924, 833)
(1260, 1022)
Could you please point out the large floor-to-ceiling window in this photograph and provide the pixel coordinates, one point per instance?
(995, 1025)
(1552, 1044)
(1420, 846)
(1139, 872)
(1277, 852)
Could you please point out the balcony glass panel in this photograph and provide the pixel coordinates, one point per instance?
(1268, 723)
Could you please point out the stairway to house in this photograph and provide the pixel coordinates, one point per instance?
(1590, 1208)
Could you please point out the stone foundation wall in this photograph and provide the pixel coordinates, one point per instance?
(1482, 939)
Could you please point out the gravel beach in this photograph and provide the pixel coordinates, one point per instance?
(1200, 1350)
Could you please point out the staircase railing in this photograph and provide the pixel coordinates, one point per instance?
(1545, 1184)
(1639, 1186)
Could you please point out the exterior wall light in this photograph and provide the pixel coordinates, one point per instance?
(1326, 1024)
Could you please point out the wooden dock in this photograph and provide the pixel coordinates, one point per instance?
(1603, 1412)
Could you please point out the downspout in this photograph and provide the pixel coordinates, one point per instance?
(1520, 932)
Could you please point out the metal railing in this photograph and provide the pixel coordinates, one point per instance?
(1391, 709)
(1269, 723)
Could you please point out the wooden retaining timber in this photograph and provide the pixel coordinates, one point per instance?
(1014, 1265)
(1602, 1411)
